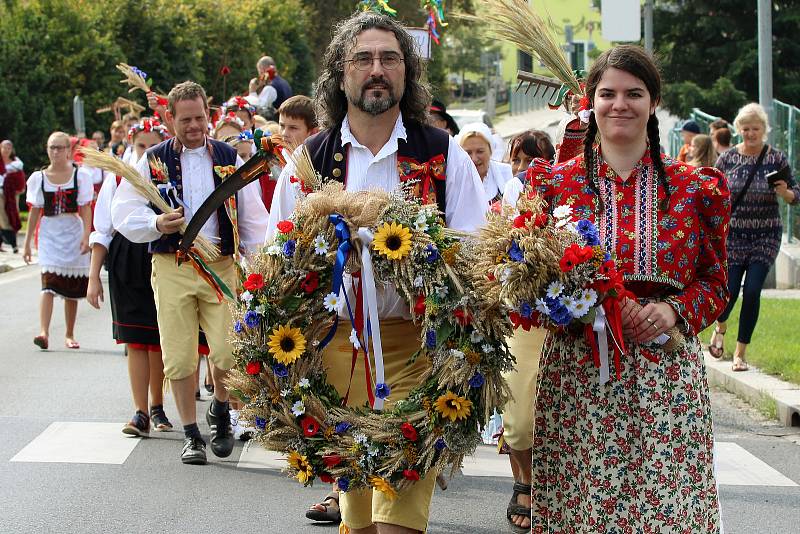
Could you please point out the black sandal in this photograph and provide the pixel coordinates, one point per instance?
(517, 509)
(328, 516)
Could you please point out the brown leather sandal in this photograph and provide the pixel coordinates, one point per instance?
(321, 511)
(716, 348)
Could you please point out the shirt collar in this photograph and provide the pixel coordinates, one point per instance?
(199, 150)
(398, 132)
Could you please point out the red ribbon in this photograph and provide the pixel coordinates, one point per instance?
(359, 327)
(433, 169)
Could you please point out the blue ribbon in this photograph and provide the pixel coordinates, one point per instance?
(343, 235)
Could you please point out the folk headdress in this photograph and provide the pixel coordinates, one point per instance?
(148, 125)
(231, 119)
(238, 103)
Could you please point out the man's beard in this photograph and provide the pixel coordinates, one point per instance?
(374, 106)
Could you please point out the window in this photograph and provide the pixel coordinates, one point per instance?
(524, 61)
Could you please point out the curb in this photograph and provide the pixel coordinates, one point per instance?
(754, 385)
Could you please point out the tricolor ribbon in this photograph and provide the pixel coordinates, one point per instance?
(342, 253)
(433, 169)
(370, 304)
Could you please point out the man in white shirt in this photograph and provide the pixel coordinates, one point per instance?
(184, 302)
(374, 108)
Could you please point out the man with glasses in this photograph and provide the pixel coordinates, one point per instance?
(374, 108)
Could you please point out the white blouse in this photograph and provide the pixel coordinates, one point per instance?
(498, 175)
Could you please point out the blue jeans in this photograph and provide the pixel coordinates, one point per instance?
(754, 275)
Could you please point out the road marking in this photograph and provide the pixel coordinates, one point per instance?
(735, 466)
(254, 456)
(79, 443)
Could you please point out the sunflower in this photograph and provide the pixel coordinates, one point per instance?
(383, 485)
(393, 241)
(453, 407)
(304, 470)
(286, 344)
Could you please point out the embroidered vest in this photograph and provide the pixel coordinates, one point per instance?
(171, 187)
(422, 155)
(63, 199)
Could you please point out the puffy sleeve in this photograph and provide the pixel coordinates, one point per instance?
(512, 191)
(539, 175)
(103, 229)
(35, 195)
(706, 296)
(85, 186)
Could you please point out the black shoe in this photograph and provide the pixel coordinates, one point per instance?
(139, 425)
(221, 433)
(194, 451)
(159, 419)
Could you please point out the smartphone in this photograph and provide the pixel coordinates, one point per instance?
(782, 174)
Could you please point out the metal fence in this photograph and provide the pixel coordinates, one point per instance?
(521, 102)
(783, 136)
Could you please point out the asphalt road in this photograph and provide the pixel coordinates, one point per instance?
(52, 400)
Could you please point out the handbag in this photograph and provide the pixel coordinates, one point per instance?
(740, 196)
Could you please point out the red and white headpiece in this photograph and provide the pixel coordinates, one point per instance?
(238, 103)
(148, 125)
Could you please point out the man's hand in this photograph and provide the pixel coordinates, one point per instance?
(170, 223)
(94, 293)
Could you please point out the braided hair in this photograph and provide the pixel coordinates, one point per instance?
(635, 61)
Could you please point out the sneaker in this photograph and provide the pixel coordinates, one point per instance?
(159, 418)
(138, 426)
(221, 433)
(194, 451)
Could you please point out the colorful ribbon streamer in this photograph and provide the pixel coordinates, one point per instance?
(370, 304)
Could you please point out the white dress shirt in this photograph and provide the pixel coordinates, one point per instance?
(132, 215)
(465, 206)
(498, 175)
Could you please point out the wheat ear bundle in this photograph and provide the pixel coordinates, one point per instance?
(145, 187)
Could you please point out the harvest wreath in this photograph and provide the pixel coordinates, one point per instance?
(289, 312)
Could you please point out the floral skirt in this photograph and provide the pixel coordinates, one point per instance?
(633, 455)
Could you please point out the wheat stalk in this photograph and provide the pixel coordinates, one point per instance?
(132, 78)
(516, 22)
(145, 187)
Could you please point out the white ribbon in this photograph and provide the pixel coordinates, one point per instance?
(167, 188)
(370, 299)
(599, 328)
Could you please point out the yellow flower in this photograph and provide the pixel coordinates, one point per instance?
(304, 470)
(383, 485)
(449, 254)
(286, 344)
(453, 407)
(393, 241)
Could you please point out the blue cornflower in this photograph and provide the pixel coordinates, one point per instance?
(430, 339)
(238, 327)
(261, 423)
(280, 370)
(251, 319)
(476, 381)
(525, 310)
(433, 253)
(515, 253)
(588, 231)
(288, 248)
(342, 427)
(140, 72)
(382, 390)
(343, 483)
(440, 444)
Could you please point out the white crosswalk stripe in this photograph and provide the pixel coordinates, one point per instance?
(79, 443)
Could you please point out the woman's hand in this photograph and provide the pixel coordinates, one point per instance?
(85, 245)
(782, 190)
(94, 293)
(645, 324)
(26, 253)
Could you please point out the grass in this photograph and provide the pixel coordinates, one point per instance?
(775, 347)
(767, 406)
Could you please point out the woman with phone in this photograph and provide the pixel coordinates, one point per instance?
(755, 231)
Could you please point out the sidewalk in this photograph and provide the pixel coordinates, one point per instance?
(539, 119)
(9, 260)
(755, 387)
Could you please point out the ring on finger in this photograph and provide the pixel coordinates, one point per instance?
(654, 325)
(649, 320)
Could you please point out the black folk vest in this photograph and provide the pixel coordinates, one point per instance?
(221, 155)
(422, 144)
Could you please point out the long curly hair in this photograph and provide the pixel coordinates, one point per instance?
(633, 60)
(330, 101)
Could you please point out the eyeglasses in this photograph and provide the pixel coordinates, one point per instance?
(388, 61)
(56, 148)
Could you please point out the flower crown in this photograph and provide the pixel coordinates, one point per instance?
(229, 118)
(238, 103)
(148, 125)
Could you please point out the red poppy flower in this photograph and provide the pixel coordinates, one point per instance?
(540, 221)
(409, 432)
(326, 478)
(331, 460)
(225, 70)
(568, 261)
(253, 368)
(519, 321)
(410, 474)
(310, 282)
(310, 426)
(491, 277)
(254, 282)
(419, 305)
(285, 226)
(522, 219)
(463, 317)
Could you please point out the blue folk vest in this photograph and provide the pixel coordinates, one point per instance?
(222, 155)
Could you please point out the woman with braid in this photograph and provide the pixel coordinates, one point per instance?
(635, 452)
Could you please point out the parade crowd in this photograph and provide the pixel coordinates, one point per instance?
(689, 233)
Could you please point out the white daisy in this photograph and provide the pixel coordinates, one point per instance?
(373, 451)
(419, 281)
(360, 438)
(487, 348)
(563, 211)
(421, 224)
(555, 289)
(354, 339)
(320, 245)
(578, 308)
(475, 337)
(304, 383)
(589, 297)
(541, 307)
(261, 309)
(442, 291)
(457, 354)
(285, 392)
(274, 250)
(331, 302)
(246, 296)
(568, 302)
(298, 408)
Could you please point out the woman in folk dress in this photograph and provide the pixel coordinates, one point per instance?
(634, 454)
